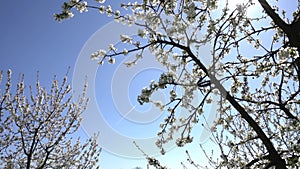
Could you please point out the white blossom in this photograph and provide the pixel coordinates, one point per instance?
(101, 52)
(109, 10)
(111, 47)
(47, 120)
(125, 38)
(255, 83)
(142, 33)
(125, 51)
(82, 6)
(101, 9)
(100, 1)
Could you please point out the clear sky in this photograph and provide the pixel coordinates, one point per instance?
(31, 40)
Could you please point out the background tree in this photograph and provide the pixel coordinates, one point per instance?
(137, 168)
(37, 127)
(254, 67)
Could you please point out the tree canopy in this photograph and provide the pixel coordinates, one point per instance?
(254, 68)
(37, 127)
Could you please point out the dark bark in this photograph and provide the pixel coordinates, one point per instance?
(274, 156)
(291, 30)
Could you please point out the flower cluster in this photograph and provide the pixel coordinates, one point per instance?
(182, 141)
(164, 80)
(258, 80)
(37, 127)
(81, 6)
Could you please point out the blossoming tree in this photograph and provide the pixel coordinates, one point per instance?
(254, 68)
(37, 127)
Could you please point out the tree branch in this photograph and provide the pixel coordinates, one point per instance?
(291, 30)
(274, 155)
(275, 17)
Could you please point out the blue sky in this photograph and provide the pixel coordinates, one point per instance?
(31, 40)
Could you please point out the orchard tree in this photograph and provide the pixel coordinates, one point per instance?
(37, 127)
(254, 68)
